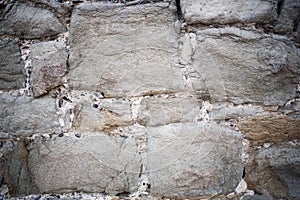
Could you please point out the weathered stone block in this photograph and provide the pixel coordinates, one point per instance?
(92, 163)
(49, 60)
(12, 74)
(275, 172)
(289, 16)
(155, 112)
(107, 115)
(23, 116)
(228, 11)
(187, 160)
(124, 51)
(24, 21)
(270, 128)
(245, 67)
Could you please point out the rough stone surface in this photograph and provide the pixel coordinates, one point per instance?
(225, 112)
(228, 11)
(289, 16)
(23, 116)
(275, 172)
(245, 67)
(109, 114)
(124, 51)
(11, 70)
(49, 60)
(92, 163)
(155, 112)
(270, 128)
(188, 160)
(28, 22)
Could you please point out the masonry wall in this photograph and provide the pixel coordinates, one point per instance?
(178, 99)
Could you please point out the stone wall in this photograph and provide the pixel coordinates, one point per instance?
(153, 99)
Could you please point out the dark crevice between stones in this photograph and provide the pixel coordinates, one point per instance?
(279, 6)
(179, 11)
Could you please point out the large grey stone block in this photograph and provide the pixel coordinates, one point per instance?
(187, 160)
(228, 11)
(24, 21)
(12, 74)
(240, 66)
(24, 116)
(49, 65)
(92, 163)
(124, 51)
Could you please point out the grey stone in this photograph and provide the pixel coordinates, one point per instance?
(49, 60)
(225, 112)
(24, 116)
(124, 51)
(110, 114)
(60, 7)
(187, 160)
(289, 16)
(275, 172)
(24, 21)
(155, 112)
(228, 11)
(12, 74)
(240, 67)
(16, 172)
(93, 163)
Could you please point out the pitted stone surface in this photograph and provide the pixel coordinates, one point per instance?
(24, 116)
(92, 163)
(188, 160)
(228, 11)
(243, 67)
(124, 51)
(24, 21)
(12, 74)
(49, 65)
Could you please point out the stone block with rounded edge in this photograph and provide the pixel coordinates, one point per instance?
(192, 160)
(95, 162)
(228, 11)
(238, 66)
(24, 116)
(49, 65)
(28, 22)
(124, 51)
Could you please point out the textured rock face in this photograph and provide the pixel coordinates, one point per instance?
(11, 70)
(122, 51)
(21, 116)
(107, 115)
(258, 70)
(194, 100)
(275, 171)
(155, 112)
(95, 163)
(193, 160)
(271, 128)
(49, 60)
(15, 17)
(228, 11)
